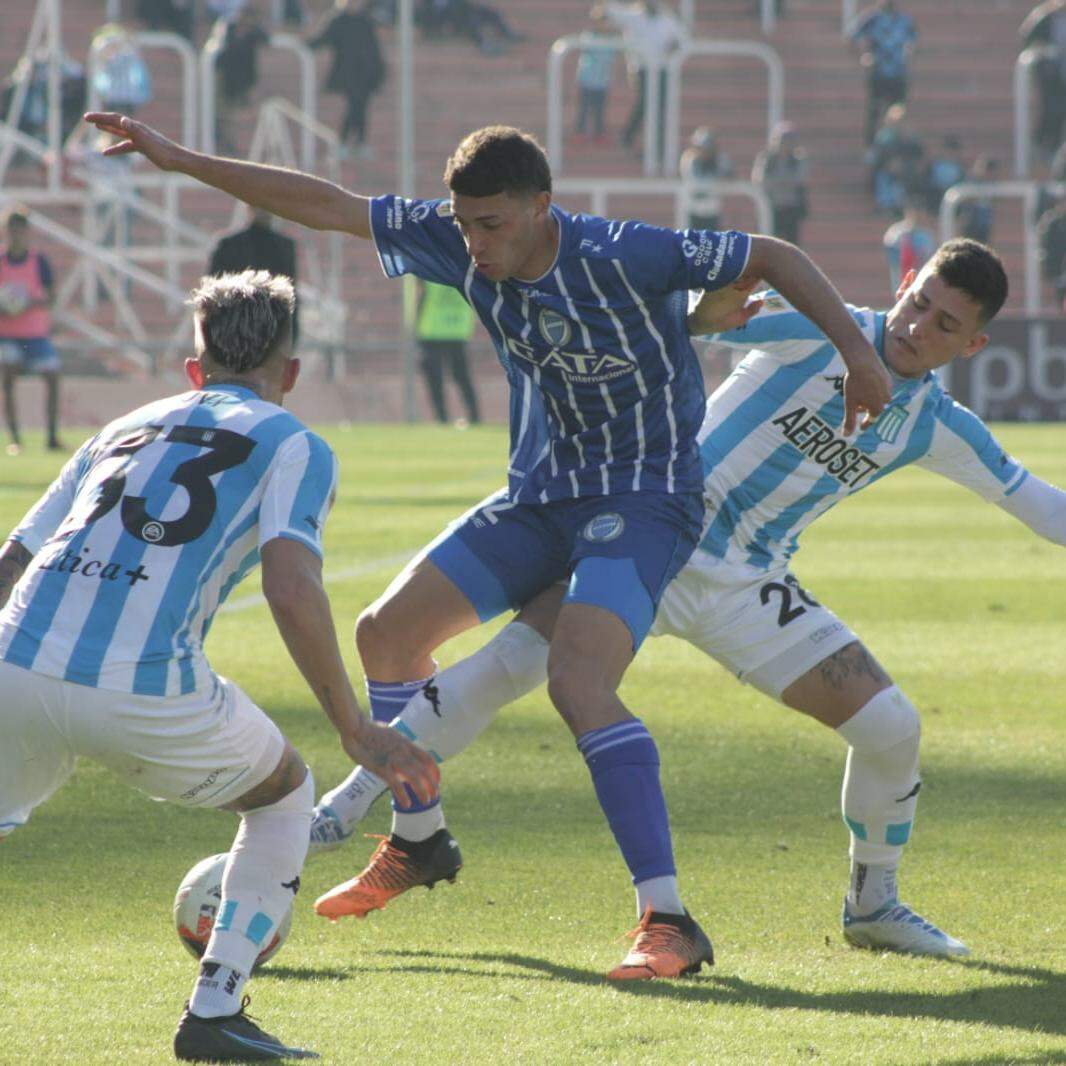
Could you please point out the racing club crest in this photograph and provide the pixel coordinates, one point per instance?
(554, 328)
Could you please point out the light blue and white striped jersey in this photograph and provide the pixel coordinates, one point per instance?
(606, 390)
(774, 456)
(147, 529)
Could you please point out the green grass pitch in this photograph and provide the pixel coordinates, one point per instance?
(961, 604)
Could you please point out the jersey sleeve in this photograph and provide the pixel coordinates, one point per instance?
(44, 271)
(48, 513)
(665, 260)
(299, 492)
(781, 330)
(418, 237)
(962, 448)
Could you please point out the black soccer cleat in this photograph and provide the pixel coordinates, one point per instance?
(231, 1038)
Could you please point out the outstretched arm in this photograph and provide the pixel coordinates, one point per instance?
(1041, 506)
(313, 202)
(292, 585)
(792, 273)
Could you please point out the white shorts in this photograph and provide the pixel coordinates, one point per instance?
(201, 750)
(759, 624)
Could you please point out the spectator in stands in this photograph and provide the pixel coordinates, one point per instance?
(975, 217)
(258, 247)
(895, 160)
(652, 34)
(703, 164)
(443, 326)
(237, 40)
(910, 241)
(482, 24)
(357, 68)
(27, 292)
(944, 169)
(175, 16)
(595, 69)
(1051, 238)
(885, 36)
(33, 119)
(121, 79)
(1046, 26)
(781, 170)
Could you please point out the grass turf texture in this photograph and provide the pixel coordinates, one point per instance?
(958, 601)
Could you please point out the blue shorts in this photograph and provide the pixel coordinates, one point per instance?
(618, 552)
(32, 355)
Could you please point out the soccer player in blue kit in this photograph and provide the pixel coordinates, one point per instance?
(588, 317)
(774, 462)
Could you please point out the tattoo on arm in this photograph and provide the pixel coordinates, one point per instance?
(14, 558)
(853, 660)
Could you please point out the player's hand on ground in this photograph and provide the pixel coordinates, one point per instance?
(867, 388)
(397, 762)
(725, 309)
(132, 136)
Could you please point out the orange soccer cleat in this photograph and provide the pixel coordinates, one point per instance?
(392, 870)
(664, 945)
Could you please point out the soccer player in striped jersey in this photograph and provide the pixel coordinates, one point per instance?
(588, 318)
(775, 459)
(109, 586)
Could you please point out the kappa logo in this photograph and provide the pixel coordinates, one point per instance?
(604, 527)
(892, 420)
(554, 328)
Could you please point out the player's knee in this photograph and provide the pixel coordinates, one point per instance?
(574, 693)
(374, 632)
(884, 722)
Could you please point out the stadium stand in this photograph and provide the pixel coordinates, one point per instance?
(458, 89)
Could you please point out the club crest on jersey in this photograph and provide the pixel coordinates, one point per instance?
(604, 527)
(554, 328)
(892, 420)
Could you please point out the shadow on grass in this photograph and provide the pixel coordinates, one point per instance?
(1034, 1004)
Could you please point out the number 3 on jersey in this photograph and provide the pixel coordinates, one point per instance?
(785, 589)
(225, 449)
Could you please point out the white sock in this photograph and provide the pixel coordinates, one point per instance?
(880, 795)
(661, 894)
(872, 886)
(259, 884)
(881, 781)
(459, 705)
(418, 825)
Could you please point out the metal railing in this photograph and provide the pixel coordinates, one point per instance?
(323, 311)
(600, 189)
(171, 42)
(308, 92)
(671, 134)
(1027, 192)
(1023, 103)
(46, 32)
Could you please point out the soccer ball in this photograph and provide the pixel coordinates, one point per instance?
(196, 906)
(13, 298)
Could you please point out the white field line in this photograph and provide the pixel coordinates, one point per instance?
(371, 566)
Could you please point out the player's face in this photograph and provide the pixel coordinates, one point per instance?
(505, 234)
(931, 324)
(17, 231)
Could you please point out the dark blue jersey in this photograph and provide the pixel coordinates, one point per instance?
(606, 390)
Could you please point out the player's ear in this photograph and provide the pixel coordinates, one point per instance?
(905, 282)
(977, 342)
(194, 371)
(542, 202)
(290, 374)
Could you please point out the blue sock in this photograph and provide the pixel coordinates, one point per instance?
(624, 764)
(387, 699)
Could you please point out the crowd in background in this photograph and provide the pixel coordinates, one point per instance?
(909, 173)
